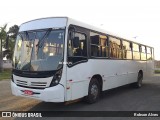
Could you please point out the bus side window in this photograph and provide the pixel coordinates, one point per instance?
(115, 48)
(104, 45)
(77, 48)
(127, 50)
(136, 51)
(143, 52)
(149, 53)
(95, 48)
(152, 53)
(99, 45)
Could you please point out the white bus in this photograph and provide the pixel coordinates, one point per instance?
(59, 59)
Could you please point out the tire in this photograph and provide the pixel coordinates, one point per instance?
(93, 91)
(138, 84)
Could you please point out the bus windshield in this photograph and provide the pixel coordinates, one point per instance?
(40, 50)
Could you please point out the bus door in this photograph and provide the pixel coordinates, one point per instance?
(77, 63)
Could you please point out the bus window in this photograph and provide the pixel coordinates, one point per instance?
(115, 48)
(143, 52)
(127, 53)
(149, 53)
(77, 48)
(104, 45)
(152, 53)
(136, 51)
(99, 45)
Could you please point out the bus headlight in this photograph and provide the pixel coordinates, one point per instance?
(56, 79)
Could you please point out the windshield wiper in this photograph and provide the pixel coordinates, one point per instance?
(40, 43)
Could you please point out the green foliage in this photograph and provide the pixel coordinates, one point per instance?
(3, 33)
(13, 31)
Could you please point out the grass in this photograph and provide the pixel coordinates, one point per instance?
(157, 71)
(6, 74)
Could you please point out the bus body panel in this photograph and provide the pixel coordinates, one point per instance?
(114, 73)
(32, 82)
(55, 93)
(150, 68)
(78, 77)
(51, 94)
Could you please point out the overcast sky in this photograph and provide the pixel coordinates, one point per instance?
(131, 18)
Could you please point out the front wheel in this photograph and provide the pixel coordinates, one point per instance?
(93, 91)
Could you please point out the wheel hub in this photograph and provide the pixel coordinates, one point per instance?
(94, 90)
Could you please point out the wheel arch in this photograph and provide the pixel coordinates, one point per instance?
(99, 79)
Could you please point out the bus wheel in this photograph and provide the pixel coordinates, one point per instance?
(138, 84)
(93, 91)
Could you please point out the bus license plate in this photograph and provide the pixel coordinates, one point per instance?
(28, 92)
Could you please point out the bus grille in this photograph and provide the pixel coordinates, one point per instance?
(31, 84)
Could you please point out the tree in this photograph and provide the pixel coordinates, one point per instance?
(3, 35)
(13, 31)
(11, 36)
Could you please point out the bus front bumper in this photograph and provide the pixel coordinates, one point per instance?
(51, 94)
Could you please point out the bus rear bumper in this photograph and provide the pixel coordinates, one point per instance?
(51, 94)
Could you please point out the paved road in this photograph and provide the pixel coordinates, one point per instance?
(124, 98)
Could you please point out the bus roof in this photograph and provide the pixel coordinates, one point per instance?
(87, 26)
(90, 27)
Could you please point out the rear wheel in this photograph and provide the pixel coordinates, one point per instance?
(138, 84)
(93, 91)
